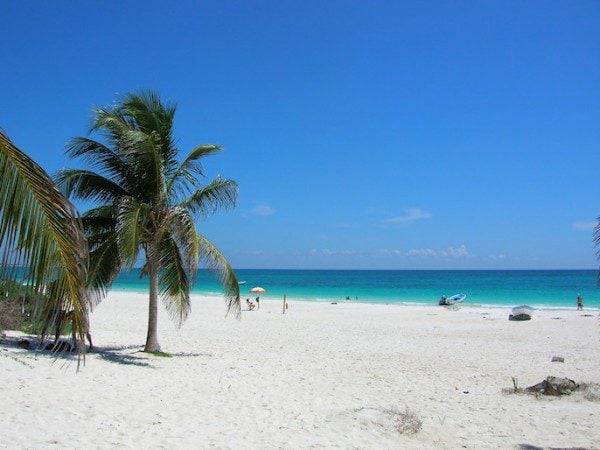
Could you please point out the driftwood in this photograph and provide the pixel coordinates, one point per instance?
(554, 386)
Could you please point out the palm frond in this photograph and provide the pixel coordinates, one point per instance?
(173, 280)
(99, 220)
(191, 167)
(218, 264)
(112, 124)
(87, 185)
(145, 150)
(40, 230)
(180, 225)
(153, 117)
(105, 264)
(220, 194)
(131, 219)
(98, 156)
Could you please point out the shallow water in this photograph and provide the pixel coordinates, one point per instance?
(544, 288)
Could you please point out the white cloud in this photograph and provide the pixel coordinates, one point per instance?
(450, 252)
(421, 252)
(388, 251)
(328, 252)
(411, 215)
(262, 209)
(455, 252)
(584, 226)
(498, 257)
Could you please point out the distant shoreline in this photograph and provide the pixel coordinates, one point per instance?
(271, 298)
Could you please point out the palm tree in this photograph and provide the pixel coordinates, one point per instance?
(41, 237)
(147, 200)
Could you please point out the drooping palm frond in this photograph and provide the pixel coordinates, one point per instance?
(131, 220)
(100, 226)
(39, 230)
(180, 224)
(218, 264)
(220, 194)
(173, 280)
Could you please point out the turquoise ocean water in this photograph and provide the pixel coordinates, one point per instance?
(542, 288)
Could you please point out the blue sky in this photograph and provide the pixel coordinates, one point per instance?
(370, 135)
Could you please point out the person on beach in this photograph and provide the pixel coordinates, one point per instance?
(257, 302)
(250, 304)
(579, 302)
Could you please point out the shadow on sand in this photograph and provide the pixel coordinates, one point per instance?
(129, 355)
(535, 447)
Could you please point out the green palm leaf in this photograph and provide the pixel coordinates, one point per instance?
(174, 284)
(87, 185)
(131, 219)
(40, 230)
(218, 264)
(190, 168)
(220, 194)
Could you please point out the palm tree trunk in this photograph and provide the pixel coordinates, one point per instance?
(152, 344)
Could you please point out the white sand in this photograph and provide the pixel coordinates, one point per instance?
(320, 376)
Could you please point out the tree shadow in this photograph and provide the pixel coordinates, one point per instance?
(535, 447)
(119, 355)
(122, 354)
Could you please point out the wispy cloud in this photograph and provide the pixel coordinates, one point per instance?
(390, 251)
(450, 252)
(422, 252)
(498, 257)
(584, 226)
(262, 209)
(328, 252)
(411, 214)
(455, 252)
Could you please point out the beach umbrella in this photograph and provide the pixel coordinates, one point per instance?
(258, 290)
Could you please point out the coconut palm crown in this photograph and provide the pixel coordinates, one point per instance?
(147, 200)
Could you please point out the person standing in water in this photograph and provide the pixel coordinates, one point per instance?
(579, 302)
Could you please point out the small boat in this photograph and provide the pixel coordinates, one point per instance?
(452, 300)
(241, 282)
(521, 312)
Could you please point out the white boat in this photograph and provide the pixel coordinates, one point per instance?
(521, 312)
(241, 282)
(457, 298)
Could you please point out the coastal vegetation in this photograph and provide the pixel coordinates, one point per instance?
(41, 238)
(146, 202)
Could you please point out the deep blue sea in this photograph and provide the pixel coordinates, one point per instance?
(542, 288)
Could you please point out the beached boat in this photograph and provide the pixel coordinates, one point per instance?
(521, 312)
(452, 300)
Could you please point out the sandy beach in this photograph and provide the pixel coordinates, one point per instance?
(322, 375)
